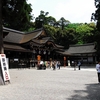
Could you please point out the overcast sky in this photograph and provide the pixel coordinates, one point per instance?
(76, 11)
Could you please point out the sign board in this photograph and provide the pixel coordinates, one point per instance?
(4, 67)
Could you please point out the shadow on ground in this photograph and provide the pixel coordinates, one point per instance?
(92, 92)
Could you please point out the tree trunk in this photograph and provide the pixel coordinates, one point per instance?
(1, 42)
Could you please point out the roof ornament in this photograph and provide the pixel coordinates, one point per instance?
(39, 51)
(44, 52)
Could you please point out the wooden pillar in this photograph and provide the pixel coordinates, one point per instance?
(64, 61)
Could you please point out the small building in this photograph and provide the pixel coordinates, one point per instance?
(85, 53)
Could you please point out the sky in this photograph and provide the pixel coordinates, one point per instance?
(76, 11)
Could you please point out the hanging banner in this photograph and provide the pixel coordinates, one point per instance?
(4, 67)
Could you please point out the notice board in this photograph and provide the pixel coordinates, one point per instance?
(4, 67)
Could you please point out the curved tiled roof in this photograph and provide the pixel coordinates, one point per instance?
(28, 37)
(37, 38)
(81, 49)
(19, 37)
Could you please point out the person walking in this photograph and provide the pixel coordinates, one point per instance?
(98, 70)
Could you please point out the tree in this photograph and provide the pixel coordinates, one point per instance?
(50, 30)
(83, 32)
(41, 19)
(96, 17)
(1, 42)
(51, 21)
(16, 14)
(1, 30)
(63, 22)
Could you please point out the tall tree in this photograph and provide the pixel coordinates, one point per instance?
(1, 32)
(16, 14)
(65, 37)
(41, 19)
(1, 42)
(51, 21)
(63, 22)
(96, 17)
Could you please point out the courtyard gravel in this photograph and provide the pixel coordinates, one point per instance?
(63, 84)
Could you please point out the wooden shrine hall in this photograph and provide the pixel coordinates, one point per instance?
(26, 48)
(85, 53)
(23, 48)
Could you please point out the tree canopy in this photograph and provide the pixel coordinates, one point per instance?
(16, 14)
(96, 17)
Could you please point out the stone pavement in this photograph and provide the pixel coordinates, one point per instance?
(63, 84)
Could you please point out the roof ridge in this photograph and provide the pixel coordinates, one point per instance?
(40, 29)
(12, 30)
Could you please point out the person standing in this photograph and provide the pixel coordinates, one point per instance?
(79, 65)
(51, 62)
(75, 65)
(58, 64)
(98, 70)
(54, 65)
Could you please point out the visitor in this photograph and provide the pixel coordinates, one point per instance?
(98, 70)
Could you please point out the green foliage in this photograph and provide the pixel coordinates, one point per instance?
(16, 14)
(50, 30)
(51, 21)
(63, 22)
(41, 19)
(78, 33)
(83, 32)
(84, 29)
(96, 17)
(73, 25)
(44, 19)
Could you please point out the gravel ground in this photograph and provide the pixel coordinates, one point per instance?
(63, 84)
